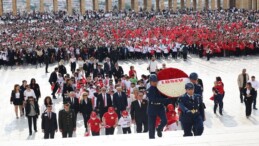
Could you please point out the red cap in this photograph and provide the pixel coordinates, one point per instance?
(111, 109)
(170, 107)
(93, 115)
(125, 113)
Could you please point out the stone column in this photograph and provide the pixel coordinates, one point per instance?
(182, 4)
(194, 3)
(82, 7)
(207, 4)
(238, 4)
(200, 5)
(148, 5)
(121, 4)
(55, 5)
(188, 4)
(175, 5)
(170, 4)
(14, 6)
(69, 7)
(134, 5)
(218, 4)
(28, 5)
(213, 4)
(257, 5)
(249, 4)
(108, 5)
(254, 4)
(1, 7)
(225, 4)
(41, 6)
(95, 5)
(157, 5)
(161, 5)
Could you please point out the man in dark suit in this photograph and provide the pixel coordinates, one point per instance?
(49, 123)
(138, 112)
(66, 121)
(74, 103)
(53, 80)
(103, 102)
(98, 71)
(120, 101)
(117, 72)
(108, 66)
(46, 60)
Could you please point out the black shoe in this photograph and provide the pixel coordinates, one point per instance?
(255, 108)
(35, 130)
(54, 97)
(159, 133)
(30, 133)
(221, 113)
(47, 72)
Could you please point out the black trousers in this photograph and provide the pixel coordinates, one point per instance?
(248, 103)
(95, 133)
(140, 124)
(126, 130)
(255, 99)
(55, 89)
(184, 56)
(46, 67)
(218, 101)
(34, 119)
(86, 118)
(73, 67)
(66, 133)
(49, 134)
(241, 94)
(109, 131)
(152, 123)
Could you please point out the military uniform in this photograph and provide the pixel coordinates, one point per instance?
(192, 116)
(156, 107)
(67, 122)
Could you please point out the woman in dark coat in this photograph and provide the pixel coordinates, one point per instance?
(32, 113)
(249, 93)
(17, 99)
(36, 88)
(86, 107)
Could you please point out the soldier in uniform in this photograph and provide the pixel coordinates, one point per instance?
(198, 88)
(67, 121)
(192, 108)
(156, 107)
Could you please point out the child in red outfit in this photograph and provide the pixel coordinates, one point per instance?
(110, 120)
(172, 118)
(94, 123)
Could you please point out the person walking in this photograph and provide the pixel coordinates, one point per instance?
(49, 123)
(241, 81)
(17, 100)
(32, 113)
(249, 94)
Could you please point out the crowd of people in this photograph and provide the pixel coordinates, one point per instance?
(108, 97)
(97, 86)
(39, 38)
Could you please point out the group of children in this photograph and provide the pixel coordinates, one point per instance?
(110, 121)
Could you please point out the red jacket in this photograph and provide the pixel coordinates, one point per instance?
(94, 124)
(220, 87)
(110, 119)
(171, 117)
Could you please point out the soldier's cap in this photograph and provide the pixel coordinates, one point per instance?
(189, 86)
(153, 78)
(193, 76)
